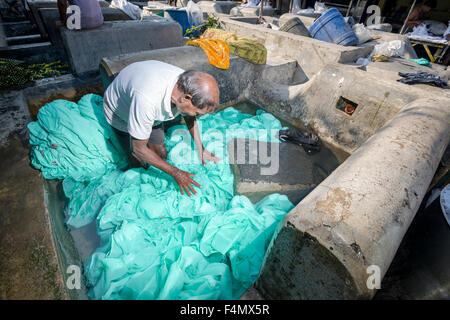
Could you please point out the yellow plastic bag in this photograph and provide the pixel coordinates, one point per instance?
(245, 48)
(216, 50)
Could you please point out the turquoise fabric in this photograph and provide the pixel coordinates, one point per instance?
(74, 140)
(421, 61)
(157, 243)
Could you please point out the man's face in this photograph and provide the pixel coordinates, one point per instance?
(184, 101)
(187, 108)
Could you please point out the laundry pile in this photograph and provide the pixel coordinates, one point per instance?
(157, 243)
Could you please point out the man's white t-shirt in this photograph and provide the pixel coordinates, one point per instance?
(140, 97)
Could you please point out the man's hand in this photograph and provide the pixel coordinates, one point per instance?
(191, 123)
(206, 155)
(185, 182)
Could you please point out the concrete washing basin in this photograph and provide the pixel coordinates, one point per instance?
(353, 220)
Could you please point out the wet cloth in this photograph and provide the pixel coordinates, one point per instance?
(74, 140)
(421, 61)
(216, 50)
(245, 48)
(155, 242)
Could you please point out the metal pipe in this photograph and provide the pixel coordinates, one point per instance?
(406, 20)
(261, 10)
(349, 7)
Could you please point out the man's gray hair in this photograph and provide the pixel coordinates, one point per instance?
(190, 82)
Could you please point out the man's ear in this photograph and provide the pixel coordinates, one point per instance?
(187, 97)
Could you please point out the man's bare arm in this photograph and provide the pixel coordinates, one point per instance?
(144, 154)
(191, 123)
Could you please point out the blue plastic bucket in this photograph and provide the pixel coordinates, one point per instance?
(331, 27)
(180, 16)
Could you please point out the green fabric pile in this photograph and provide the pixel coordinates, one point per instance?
(74, 140)
(157, 243)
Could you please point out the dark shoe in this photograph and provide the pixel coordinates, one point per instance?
(309, 141)
(298, 137)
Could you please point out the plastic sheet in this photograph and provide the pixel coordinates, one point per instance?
(394, 48)
(157, 243)
(362, 33)
(194, 13)
(132, 10)
(420, 32)
(216, 50)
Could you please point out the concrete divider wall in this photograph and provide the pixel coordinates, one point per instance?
(313, 103)
(233, 83)
(35, 5)
(86, 48)
(311, 55)
(49, 17)
(357, 217)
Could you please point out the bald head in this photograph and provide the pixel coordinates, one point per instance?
(201, 86)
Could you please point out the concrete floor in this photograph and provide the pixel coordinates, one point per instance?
(420, 267)
(28, 263)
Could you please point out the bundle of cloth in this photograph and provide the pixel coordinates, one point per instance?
(243, 47)
(155, 242)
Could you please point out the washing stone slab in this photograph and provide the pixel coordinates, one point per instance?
(85, 48)
(51, 15)
(298, 172)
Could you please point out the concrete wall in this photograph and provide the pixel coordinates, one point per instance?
(232, 82)
(357, 217)
(311, 55)
(49, 17)
(314, 103)
(86, 48)
(35, 5)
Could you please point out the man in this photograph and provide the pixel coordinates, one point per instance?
(90, 11)
(143, 96)
(416, 16)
